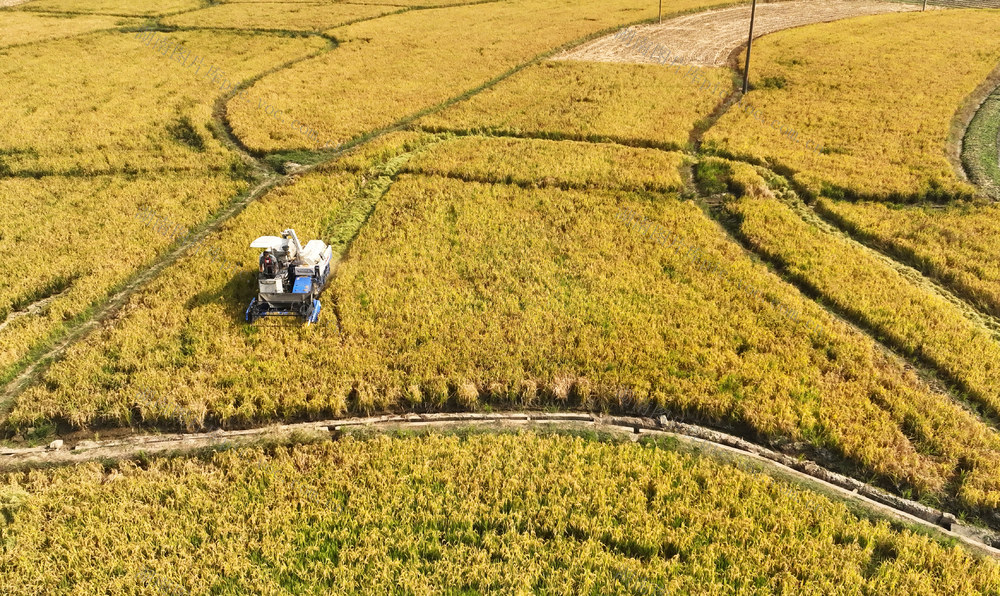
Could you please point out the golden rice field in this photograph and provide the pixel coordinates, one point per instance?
(370, 81)
(125, 107)
(876, 94)
(509, 232)
(55, 215)
(566, 164)
(83, 149)
(909, 316)
(635, 104)
(120, 7)
(955, 244)
(484, 513)
(289, 16)
(25, 27)
(458, 294)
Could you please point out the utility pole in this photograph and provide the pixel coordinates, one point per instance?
(921, 10)
(746, 69)
(659, 12)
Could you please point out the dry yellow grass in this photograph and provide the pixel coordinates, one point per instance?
(564, 164)
(522, 513)
(304, 17)
(395, 66)
(632, 103)
(956, 244)
(25, 27)
(876, 94)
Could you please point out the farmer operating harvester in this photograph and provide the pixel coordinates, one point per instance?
(290, 277)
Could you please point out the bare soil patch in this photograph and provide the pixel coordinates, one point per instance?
(708, 38)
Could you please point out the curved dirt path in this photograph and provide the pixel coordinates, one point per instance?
(715, 444)
(708, 38)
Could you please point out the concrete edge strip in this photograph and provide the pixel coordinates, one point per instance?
(843, 486)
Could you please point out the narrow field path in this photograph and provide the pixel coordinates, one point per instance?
(708, 38)
(870, 500)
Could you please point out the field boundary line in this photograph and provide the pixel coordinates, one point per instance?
(939, 379)
(634, 428)
(911, 262)
(962, 120)
(117, 300)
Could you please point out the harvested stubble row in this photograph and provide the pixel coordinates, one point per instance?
(482, 513)
(466, 293)
(879, 108)
(956, 243)
(395, 66)
(637, 104)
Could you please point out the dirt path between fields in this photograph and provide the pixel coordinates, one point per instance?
(9, 3)
(715, 444)
(708, 38)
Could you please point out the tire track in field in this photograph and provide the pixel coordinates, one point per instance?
(703, 441)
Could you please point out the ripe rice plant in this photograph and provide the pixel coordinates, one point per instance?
(539, 162)
(955, 244)
(26, 27)
(485, 513)
(859, 88)
(459, 294)
(124, 107)
(857, 282)
(303, 17)
(119, 7)
(357, 88)
(637, 104)
(73, 225)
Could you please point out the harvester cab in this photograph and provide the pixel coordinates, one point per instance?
(290, 277)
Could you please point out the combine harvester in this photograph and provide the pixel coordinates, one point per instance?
(290, 277)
